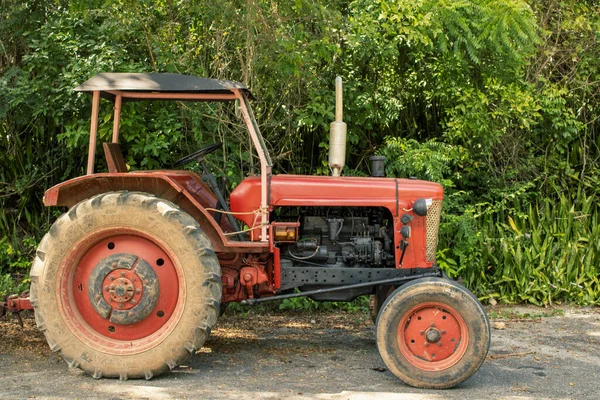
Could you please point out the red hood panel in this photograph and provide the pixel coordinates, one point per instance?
(306, 190)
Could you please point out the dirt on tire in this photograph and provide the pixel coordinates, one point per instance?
(163, 225)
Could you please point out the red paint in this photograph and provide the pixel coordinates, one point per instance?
(441, 321)
(184, 188)
(300, 190)
(190, 193)
(15, 303)
(85, 321)
(132, 280)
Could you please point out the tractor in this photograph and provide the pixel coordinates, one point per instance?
(129, 282)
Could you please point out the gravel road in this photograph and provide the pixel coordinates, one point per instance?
(325, 356)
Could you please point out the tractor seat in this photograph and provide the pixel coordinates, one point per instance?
(114, 158)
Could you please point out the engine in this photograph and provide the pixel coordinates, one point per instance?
(343, 237)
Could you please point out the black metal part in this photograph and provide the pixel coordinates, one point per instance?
(210, 180)
(3, 308)
(19, 319)
(405, 232)
(433, 335)
(406, 218)
(212, 183)
(157, 82)
(403, 246)
(420, 207)
(391, 281)
(377, 165)
(198, 155)
(292, 277)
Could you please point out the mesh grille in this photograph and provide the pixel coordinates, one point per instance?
(433, 225)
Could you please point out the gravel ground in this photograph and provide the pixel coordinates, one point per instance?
(325, 356)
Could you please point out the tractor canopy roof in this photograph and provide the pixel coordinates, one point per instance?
(110, 83)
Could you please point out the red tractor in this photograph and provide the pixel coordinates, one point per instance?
(130, 280)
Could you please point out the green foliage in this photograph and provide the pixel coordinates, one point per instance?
(430, 160)
(361, 303)
(14, 266)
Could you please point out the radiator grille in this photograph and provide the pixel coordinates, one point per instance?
(433, 225)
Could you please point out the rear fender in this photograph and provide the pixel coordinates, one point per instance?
(183, 188)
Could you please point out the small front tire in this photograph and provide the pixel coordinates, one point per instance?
(433, 333)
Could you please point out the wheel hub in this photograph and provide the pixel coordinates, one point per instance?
(430, 336)
(433, 335)
(123, 288)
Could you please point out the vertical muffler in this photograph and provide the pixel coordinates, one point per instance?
(337, 133)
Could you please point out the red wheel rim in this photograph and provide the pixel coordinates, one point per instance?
(144, 297)
(432, 336)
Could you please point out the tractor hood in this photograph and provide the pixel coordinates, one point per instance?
(306, 190)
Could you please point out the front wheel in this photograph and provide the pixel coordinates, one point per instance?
(125, 285)
(433, 333)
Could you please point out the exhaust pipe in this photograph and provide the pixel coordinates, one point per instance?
(337, 133)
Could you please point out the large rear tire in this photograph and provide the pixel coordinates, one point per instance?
(125, 285)
(433, 333)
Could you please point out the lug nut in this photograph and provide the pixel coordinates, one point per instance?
(443, 331)
(122, 280)
(112, 287)
(133, 279)
(121, 305)
(440, 344)
(132, 301)
(432, 325)
(426, 344)
(138, 291)
(422, 332)
(122, 273)
(112, 278)
(106, 288)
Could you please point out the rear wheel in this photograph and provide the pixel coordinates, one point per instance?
(433, 333)
(125, 285)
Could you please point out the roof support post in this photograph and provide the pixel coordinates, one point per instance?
(117, 118)
(93, 132)
(265, 170)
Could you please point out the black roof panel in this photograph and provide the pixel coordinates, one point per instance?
(157, 82)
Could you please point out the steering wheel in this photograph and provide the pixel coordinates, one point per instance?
(198, 155)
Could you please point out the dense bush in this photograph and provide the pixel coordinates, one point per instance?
(497, 100)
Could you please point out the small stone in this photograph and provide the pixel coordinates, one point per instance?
(499, 325)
